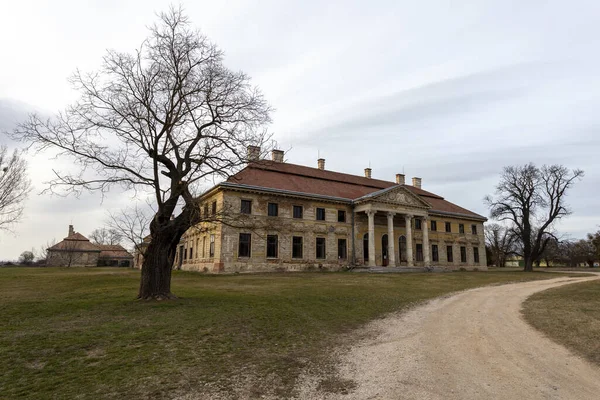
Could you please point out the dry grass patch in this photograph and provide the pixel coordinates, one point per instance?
(569, 315)
(78, 333)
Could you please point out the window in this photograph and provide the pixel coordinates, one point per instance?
(434, 226)
(476, 255)
(341, 216)
(205, 210)
(197, 252)
(191, 253)
(474, 229)
(448, 227)
(366, 247)
(419, 252)
(246, 207)
(273, 209)
(342, 249)
(214, 208)
(417, 224)
(185, 254)
(211, 250)
(402, 248)
(461, 228)
(203, 246)
(463, 254)
(297, 247)
(244, 245)
(272, 246)
(320, 247)
(434, 253)
(298, 211)
(320, 214)
(449, 255)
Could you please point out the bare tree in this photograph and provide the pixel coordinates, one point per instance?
(26, 257)
(159, 121)
(132, 224)
(14, 187)
(532, 199)
(501, 243)
(106, 236)
(42, 253)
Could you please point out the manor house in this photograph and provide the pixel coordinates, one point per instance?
(277, 216)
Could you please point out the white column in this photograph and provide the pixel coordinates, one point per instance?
(426, 249)
(371, 215)
(391, 239)
(409, 241)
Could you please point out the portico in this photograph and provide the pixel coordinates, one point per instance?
(400, 208)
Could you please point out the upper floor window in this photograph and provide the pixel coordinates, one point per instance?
(474, 229)
(341, 216)
(418, 224)
(298, 211)
(214, 208)
(245, 245)
(273, 209)
(434, 226)
(205, 210)
(320, 214)
(246, 207)
(448, 227)
(461, 228)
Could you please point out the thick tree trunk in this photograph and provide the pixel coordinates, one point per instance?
(528, 265)
(155, 282)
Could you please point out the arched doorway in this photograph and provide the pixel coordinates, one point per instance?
(402, 248)
(384, 250)
(366, 247)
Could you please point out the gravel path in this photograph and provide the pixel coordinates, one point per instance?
(473, 345)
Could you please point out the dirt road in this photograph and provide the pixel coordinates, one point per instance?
(473, 345)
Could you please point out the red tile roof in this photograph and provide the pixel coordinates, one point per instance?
(302, 179)
(113, 251)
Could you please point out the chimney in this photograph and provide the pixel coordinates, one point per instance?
(400, 180)
(71, 230)
(367, 172)
(321, 163)
(417, 182)
(253, 153)
(277, 155)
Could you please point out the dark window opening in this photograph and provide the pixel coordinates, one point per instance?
(449, 255)
(341, 216)
(474, 229)
(461, 228)
(402, 248)
(246, 207)
(434, 226)
(342, 249)
(273, 209)
(244, 245)
(272, 246)
(434, 253)
(463, 254)
(206, 210)
(320, 247)
(476, 255)
(211, 250)
(298, 211)
(320, 214)
(214, 208)
(448, 227)
(419, 252)
(417, 224)
(297, 247)
(366, 247)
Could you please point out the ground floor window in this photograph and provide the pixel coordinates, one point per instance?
(434, 253)
(272, 246)
(211, 249)
(342, 249)
(244, 245)
(419, 252)
(449, 255)
(320, 247)
(366, 246)
(297, 247)
(402, 248)
(463, 254)
(476, 254)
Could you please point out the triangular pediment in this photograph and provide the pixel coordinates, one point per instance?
(398, 195)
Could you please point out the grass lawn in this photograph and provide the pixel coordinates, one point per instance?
(569, 315)
(78, 333)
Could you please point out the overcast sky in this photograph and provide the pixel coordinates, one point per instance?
(450, 91)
